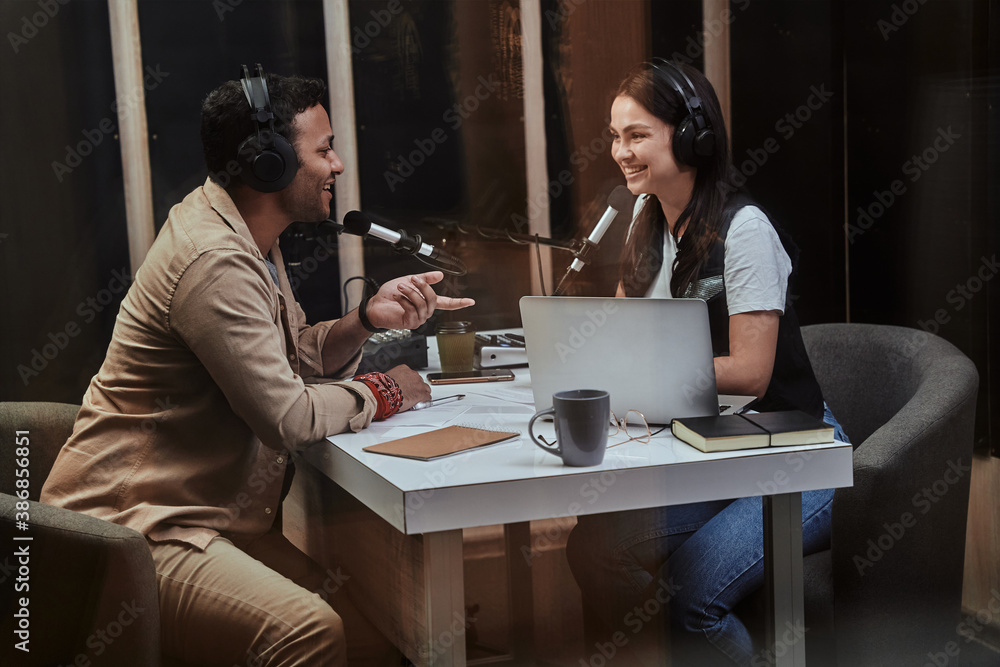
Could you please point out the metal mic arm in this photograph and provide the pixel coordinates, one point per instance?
(579, 261)
(409, 245)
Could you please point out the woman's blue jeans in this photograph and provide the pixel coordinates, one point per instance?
(707, 556)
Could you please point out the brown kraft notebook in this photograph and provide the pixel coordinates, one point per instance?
(441, 442)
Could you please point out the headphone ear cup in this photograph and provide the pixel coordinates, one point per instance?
(684, 141)
(270, 169)
(704, 143)
(693, 146)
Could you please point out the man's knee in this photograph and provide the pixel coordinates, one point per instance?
(330, 628)
(314, 636)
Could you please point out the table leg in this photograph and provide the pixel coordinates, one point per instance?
(517, 537)
(444, 594)
(783, 581)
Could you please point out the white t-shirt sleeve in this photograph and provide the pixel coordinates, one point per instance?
(757, 266)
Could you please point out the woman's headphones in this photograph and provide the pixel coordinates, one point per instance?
(694, 139)
(267, 160)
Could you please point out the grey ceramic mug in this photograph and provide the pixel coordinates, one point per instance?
(581, 420)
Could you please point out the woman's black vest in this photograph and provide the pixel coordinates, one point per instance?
(793, 384)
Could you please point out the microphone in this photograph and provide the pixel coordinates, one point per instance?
(359, 224)
(619, 200)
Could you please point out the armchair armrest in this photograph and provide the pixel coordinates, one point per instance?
(90, 587)
(898, 533)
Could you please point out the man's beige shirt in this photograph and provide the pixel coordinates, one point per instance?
(185, 431)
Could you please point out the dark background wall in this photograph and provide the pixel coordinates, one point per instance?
(62, 215)
(859, 96)
(918, 98)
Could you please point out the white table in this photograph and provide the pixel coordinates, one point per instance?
(514, 483)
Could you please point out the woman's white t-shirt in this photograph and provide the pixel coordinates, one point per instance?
(756, 264)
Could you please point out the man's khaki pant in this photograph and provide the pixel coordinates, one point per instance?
(266, 604)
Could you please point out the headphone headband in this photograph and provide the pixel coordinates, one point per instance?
(694, 139)
(692, 101)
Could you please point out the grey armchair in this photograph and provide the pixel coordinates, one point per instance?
(92, 587)
(889, 590)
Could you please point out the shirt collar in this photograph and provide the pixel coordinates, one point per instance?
(223, 204)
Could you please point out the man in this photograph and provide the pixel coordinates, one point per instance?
(186, 430)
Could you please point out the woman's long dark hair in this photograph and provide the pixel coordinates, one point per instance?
(642, 255)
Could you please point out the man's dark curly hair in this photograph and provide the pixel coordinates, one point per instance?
(226, 123)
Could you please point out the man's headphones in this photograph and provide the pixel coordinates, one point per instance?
(267, 160)
(694, 139)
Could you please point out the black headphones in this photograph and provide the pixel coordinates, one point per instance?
(267, 160)
(694, 139)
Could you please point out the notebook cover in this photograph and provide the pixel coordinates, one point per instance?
(719, 433)
(441, 442)
(792, 427)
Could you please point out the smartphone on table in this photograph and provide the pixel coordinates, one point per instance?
(484, 375)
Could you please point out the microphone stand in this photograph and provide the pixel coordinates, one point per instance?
(409, 245)
(580, 250)
(579, 261)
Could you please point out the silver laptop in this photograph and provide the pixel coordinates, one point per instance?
(651, 355)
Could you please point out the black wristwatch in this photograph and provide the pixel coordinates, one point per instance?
(363, 316)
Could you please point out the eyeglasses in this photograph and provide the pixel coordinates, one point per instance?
(633, 425)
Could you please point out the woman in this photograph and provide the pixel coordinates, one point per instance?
(692, 238)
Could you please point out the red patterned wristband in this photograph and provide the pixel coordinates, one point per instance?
(388, 395)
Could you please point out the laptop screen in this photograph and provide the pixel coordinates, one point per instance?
(651, 355)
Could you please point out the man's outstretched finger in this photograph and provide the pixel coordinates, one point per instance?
(450, 303)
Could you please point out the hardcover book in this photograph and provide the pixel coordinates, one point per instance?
(719, 433)
(766, 429)
(792, 427)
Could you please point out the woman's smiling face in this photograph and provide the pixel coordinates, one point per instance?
(642, 148)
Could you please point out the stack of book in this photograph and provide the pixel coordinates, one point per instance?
(766, 429)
